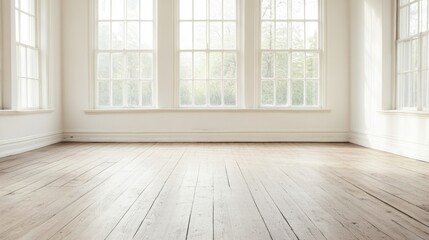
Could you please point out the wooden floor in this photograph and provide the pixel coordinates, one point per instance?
(212, 191)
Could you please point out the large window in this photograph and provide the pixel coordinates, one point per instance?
(412, 55)
(27, 54)
(208, 53)
(125, 53)
(290, 56)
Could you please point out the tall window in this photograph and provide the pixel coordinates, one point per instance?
(27, 54)
(125, 53)
(290, 56)
(208, 53)
(412, 55)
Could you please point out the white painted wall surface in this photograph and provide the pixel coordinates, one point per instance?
(192, 125)
(371, 74)
(24, 131)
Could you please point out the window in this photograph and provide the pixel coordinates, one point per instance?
(412, 55)
(125, 53)
(27, 54)
(290, 56)
(208, 53)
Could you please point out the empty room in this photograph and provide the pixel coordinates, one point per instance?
(214, 119)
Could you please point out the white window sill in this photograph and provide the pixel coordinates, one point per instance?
(207, 110)
(406, 113)
(25, 112)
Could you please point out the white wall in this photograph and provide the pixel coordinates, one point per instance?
(192, 125)
(26, 131)
(371, 76)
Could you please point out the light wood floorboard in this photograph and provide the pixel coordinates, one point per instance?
(212, 191)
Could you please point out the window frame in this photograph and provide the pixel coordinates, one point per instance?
(397, 41)
(322, 96)
(93, 40)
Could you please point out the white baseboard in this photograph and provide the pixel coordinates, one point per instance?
(20, 145)
(392, 145)
(208, 137)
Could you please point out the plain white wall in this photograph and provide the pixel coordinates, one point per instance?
(25, 131)
(245, 125)
(371, 75)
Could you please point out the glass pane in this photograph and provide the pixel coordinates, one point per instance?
(186, 66)
(132, 35)
(230, 92)
(403, 17)
(282, 66)
(298, 35)
(133, 9)
(185, 9)
(215, 92)
(186, 35)
(215, 65)
(312, 65)
(312, 35)
(104, 9)
(23, 99)
(104, 35)
(216, 9)
(424, 12)
(200, 9)
(267, 9)
(267, 65)
(132, 70)
(28, 6)
(146, 9)
(185, 93)
(33, 93)
(133, 93)
(267, 41)
(200, 41)
(297, 93)
(118, 35)
(267, 92)
(216, 35)
(298, 9)
(229, 36)
(146, 35)
(103, 66)
(118, 9)
(118, 66)
(311, 9)
(32, 63)
(298, 59)
(230, 65)
(22, 62)
(312, 93)
(200, 65)
(146, 93)
(414, 18)
(118, 93)
(103, 93)
(200, 91)
(281, 9)
(281, 93)
(146, 65)
(229, 9)
(281, 35)
(425, 83)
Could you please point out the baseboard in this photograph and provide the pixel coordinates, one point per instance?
(392, 145)
(262, 136)
(20, 145)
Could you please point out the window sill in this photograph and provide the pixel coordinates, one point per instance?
(25, 112)
(206, 110)
(405, 113)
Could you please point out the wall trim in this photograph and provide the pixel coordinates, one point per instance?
(392, 145)
(20, 145)
(207, 136)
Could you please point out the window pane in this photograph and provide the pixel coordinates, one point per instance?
(133, 93)
(229, 36)
(267, 30)
(298, 9)
(103, 66)
(186, 63)
(200, 91)
(312, 93)
(281, 9)
(103, 93)
(267, 65)
(282, 66)
(281, 35)
(118, 9)
(146, 9)
(216, 35)
(104, 35)
(146, 65)
(104, 9)
(200, 41)
(230, 92)
(312, 35)
(186, 35)
(186, 9)
(267, 9)
(146, 37)
(311, 9)
(267, 92)
(32, 63)
(229, 9)
(133, 35)
(215, 92)
(200, 65)
(118, 35)
(297, 93)
(133, 9)
(298, 59)
(147, 93)
(298, 35)
(200, 9)
(282, 93)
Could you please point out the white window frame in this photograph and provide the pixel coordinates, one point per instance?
(166, 44)
(419, 38)
(9, 86)
(322, 98)
(93, 39)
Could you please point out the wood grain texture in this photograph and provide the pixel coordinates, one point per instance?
(212, 191)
